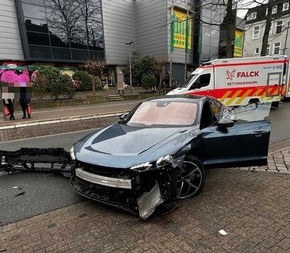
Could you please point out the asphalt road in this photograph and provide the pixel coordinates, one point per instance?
(25, 195)
(280, 122)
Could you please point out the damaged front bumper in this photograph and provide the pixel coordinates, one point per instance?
(138, 192)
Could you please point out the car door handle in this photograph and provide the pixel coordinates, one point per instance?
(258, 133)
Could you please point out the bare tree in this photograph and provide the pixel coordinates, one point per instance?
(228, 16)
(269, 18)
(91, 15)
(267, 28)
(230, 29)
(159, 67)
(229, 5)
(62, 16)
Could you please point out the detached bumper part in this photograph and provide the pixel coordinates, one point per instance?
(149, 201)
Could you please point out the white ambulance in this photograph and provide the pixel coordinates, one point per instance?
(239, 81)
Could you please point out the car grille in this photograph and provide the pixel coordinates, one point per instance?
(103, 180)
(106, 171)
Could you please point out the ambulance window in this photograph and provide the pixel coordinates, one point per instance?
(202, 81)
(188, 80)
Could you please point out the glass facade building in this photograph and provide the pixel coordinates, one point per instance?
(61, 30)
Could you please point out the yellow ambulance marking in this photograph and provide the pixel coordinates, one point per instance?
(264, 95)
(226, 95)
(243, 97)
(229, 99)
(258, 92)
(272, 91)
(234, 96)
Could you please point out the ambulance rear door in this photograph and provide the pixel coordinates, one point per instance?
(274, 84)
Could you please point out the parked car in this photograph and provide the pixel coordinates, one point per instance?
(157, 153)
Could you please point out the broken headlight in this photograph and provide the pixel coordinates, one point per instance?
(142, 167)
(162, 161)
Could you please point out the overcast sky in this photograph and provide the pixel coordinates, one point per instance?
(244, 5)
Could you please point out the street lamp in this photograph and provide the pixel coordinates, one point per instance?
(130, 63)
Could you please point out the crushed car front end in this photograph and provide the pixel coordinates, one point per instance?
(138, 189)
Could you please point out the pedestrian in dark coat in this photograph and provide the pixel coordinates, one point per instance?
(25, 103)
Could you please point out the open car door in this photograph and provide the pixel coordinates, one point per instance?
(243, 144)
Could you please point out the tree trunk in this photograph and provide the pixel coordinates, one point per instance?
(230, 26)
(94, 85)
(267, 29)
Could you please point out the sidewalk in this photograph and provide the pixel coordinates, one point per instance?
(72, 113)
(63, 114)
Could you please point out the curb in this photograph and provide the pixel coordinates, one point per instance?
(60, 120)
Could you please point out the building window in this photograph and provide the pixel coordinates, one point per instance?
(279, 26)
(257, 50)
(268, 49)
(256, 32)
(285, 7)
(252, 16)
(56, 31)
(274, 10)
(276, 49)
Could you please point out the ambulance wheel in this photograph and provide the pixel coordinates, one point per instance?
(254, 102)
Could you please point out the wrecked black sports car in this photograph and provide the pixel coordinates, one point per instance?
(158, 153)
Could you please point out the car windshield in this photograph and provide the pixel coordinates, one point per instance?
(165, 113)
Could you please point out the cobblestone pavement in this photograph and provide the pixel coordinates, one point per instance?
(250, 204)
(252, 208)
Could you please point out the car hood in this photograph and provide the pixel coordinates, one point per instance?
(123, 146)
(178, 91)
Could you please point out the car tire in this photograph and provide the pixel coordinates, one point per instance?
(192, 178)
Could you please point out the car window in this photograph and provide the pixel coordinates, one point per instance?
(164, 113)
(207, 116)
(217, 109)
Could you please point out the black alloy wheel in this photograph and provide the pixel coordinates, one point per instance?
(192, 178)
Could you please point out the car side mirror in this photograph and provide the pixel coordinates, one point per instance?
(123, 117)
(225, 123)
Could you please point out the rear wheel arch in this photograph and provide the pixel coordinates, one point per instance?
(254, 101)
